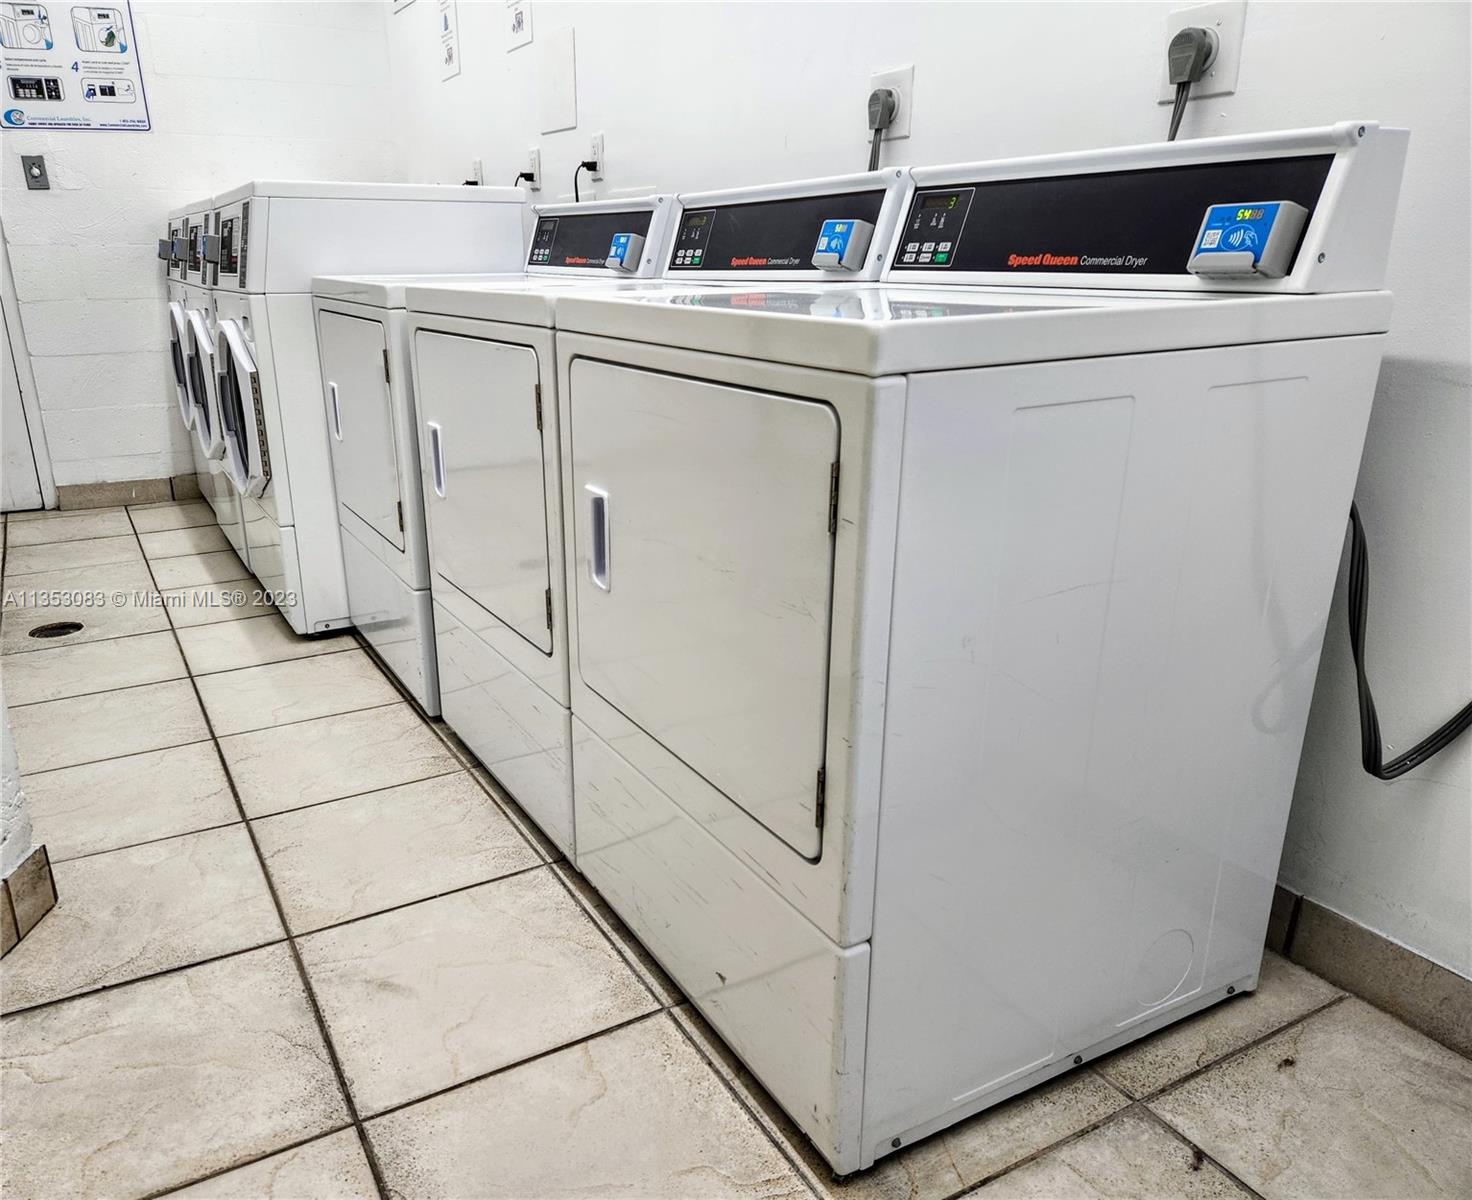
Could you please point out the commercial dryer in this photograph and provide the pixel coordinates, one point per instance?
(373, 427)
(490, 413)
(272, 239)
(940, 652)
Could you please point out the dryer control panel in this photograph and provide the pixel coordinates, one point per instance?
(579, 241)
(794, 233)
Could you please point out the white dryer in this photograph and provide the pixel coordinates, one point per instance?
(373, 426)
(273, 238)
(940, 655)
(490, 410)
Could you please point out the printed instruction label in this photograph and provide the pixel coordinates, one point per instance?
(70, 66)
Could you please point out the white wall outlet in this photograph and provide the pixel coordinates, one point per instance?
(478, 171)
(902, 79)
(534, 159)
(596, 155)
(1226, 19)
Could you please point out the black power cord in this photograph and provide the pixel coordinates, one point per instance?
(884, 104)
(1189, 54)
(523, 177)
(588, 164)
(1372, 755)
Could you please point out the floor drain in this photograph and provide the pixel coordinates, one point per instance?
(56, 629)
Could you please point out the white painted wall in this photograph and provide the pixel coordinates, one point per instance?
(236, 91)
(696, 96)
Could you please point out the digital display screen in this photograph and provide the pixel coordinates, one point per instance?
(947, 201)
(698, 220)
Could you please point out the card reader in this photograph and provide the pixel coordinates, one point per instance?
(625, 252)
(1248, 239)
(842, 245)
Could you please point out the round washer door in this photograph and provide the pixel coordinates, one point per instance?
(238, 385)
(199, 366)
(178, 339)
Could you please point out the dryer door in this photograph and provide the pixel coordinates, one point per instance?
(239, 385)
(360, 420)
(199, 365)
(485, 491)
(178, 339)
(703, 565)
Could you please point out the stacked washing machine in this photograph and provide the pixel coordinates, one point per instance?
(373, 424)
(940, 652)
(268, 240)
(492, 419)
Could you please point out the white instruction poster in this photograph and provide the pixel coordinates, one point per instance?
(449, 43)
(70, 66)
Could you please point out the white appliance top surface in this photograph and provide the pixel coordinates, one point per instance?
(388, 291)
(523, 299)
(883, 330)
(313, 189)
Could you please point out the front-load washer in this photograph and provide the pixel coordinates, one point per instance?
(373, 427)
(489, 409)
(273, 237)
(940, 656)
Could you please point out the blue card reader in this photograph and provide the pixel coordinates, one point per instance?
(842, 245)
(1258, 238)
(625, 252)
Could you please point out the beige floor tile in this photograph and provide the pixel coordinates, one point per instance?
(349, 858)
(72, 528)
(429, 995)
(290, 766)
(1284, 994)
(133, 912)
(81, 729)
(57, 514)
(62, 556)
(174, 543)
(1131, 1155)
(152, 518)
(1348, 1103)
(643, 962)
(545, 846)
(280, 693)
(636, 1112)
(124, 801)
(331, 1168)
(113, 600)
(189, 570)
(87, 667)
(941, 1165)
(230, 645)
(210, 603)
(148, 1086)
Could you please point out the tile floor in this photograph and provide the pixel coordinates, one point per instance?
(305, 948)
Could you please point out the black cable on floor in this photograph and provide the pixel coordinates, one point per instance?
(1372, 754)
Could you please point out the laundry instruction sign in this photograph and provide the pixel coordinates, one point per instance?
(70, 66)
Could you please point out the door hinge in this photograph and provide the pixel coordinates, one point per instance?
(549, 610)
(833, 499)
(822, 803)
(399, 505)
(385, 365)
(537, 391)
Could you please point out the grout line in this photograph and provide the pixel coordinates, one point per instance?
(1037, 1154)
(92, 762)
(127, 687)
(387, 787)
(249, 1162)
(167, 837)
(305, 980)
(121, 983)
(307, 720)
(1152, 1115)
(279, 662)
(602, 928)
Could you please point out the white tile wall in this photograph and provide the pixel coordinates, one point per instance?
(236, 91)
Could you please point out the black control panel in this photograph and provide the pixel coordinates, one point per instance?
(194, 261)
(770, 235)
(35, 87)
(581, 240)
(229, 247)
(1141, 221)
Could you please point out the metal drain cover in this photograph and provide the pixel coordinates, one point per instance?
(56, 629)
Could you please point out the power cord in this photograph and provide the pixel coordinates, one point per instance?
(1372, 755)
(884, 104)
(1189, 54)
(588, 164)
(523, 177)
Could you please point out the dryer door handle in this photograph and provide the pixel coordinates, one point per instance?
(598, 558)
(336, 410)
(436, 457)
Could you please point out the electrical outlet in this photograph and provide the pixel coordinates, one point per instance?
(902, 79)
(1226, 19)
(596, 155)
(534, 157)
